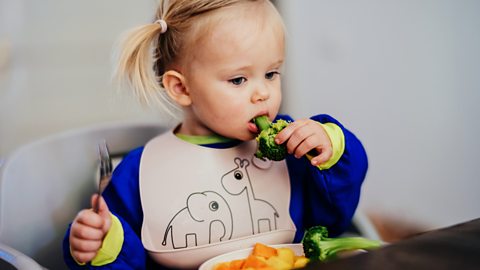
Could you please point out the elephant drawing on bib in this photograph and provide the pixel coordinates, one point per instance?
(262, 213)
(206, 219)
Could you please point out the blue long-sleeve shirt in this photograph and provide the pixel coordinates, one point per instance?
(318, 197)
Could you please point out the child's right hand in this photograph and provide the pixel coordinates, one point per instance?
(88, 230)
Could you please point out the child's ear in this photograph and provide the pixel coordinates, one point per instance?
(174, 83)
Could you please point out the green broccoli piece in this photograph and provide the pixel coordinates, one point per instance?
(317, 245)
(267, 148)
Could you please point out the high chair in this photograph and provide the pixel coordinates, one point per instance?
(45, 183)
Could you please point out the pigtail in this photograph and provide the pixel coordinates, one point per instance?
(135, 65)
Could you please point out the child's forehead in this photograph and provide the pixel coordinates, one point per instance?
(240, 22)
(240, 30)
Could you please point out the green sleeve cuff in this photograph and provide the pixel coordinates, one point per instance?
(112, 244)
(337, 138)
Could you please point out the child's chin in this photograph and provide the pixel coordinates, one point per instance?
(251, 137)
(246, 137)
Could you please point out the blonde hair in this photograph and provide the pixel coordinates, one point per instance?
(146, 52)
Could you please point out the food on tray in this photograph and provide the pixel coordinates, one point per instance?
(266, 258)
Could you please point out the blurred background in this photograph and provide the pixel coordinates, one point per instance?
(402, 75)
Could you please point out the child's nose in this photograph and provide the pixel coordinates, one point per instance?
(260, 93)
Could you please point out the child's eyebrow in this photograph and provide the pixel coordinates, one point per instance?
(278, 63)
(249, 66)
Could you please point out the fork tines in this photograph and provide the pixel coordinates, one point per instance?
(105, 161)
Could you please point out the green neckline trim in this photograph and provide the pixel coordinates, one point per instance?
(203, 139)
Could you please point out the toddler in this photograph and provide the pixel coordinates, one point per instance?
(197, 190)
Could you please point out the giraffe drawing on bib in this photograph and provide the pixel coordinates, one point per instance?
(262, 213)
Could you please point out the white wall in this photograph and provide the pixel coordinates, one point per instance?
(405, 77)
(55, 66)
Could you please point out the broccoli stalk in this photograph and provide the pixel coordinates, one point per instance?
(267, 148)
(317, 245)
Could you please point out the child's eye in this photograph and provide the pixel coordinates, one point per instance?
(238, 81)
(271, 75)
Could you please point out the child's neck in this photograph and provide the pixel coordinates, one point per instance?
(187, 130)
(207, 139)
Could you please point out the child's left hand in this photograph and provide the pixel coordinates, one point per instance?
(305, 135)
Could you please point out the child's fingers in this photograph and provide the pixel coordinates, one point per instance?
(83, 257)
(84, 241)
(313, 146)
(287, 132)
(93, 201)
(89, 218)
(299, 146)
(103, 211)
(82, 245)
(290, 136)
(88, 230)
(102, 207)
(301, 140)
(324, 155)
(302, 137)
(82, 231)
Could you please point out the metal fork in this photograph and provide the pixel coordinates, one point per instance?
(105, 171)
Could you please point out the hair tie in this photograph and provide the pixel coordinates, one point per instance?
(163, 25)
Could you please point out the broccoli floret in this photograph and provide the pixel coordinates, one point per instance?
(317, 245)
(267, 148)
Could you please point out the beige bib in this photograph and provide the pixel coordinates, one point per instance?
(195, 196)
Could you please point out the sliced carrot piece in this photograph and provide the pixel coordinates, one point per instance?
(263, 250)
(222, 266)
(253, 262)
(237, 264)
